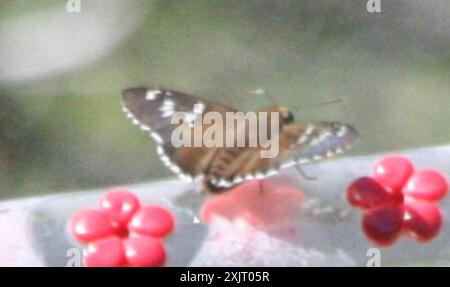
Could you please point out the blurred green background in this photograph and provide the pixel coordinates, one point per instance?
(61, 74)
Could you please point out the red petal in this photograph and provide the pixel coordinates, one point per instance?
(91, 225)
(426, 184)
(383, 225)
(393, 171)
(108, 252)
(144, 251)
(152, 220)
(119, 205)
(422, 219)
(365, 192)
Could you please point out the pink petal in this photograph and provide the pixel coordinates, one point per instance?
(367, 193)
(393, 171)
(382, 225)
(108, 252)
(144, 251)
(422, 219)
(91, 225)
(152, 220)
(119, 205)
(426, 184)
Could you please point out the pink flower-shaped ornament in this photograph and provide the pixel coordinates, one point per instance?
(121, 232)
(398, 199)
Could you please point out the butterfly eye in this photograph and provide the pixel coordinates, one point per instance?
(289, 117)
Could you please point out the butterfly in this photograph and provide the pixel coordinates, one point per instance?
(220, 168)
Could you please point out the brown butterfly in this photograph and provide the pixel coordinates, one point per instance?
(223, 167)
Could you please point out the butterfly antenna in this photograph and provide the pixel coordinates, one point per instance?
(331, 102)
(303, 174)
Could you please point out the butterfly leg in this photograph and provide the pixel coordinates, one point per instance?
(303, 174)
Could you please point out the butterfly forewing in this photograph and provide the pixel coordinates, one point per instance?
(152, 110)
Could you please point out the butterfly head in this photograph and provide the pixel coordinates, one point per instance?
(284, 114)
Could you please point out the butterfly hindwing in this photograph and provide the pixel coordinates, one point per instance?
(315, 141)
(298, 144)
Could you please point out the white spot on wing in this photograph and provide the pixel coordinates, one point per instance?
(157, 138)
(320, 138)
(176, 169)
(302, 139)
(185, 177)
(259, 175)
(168, 105)
(165, 159)
(151, 94)
(167, 114)
(289, 164)
(189, 119)
(238, 179)
(342, 131)
(167, 108)
(222, 182)
(249, 177)
(145, 128)
(160, 151)
(134, 120)
(199, 108)
(309, 129)
(271, 172)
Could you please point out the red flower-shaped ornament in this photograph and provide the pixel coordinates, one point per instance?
(398, 199)
(121, 232)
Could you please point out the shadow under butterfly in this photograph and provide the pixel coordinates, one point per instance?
(219, 168)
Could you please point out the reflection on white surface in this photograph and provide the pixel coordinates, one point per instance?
(41, 44)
